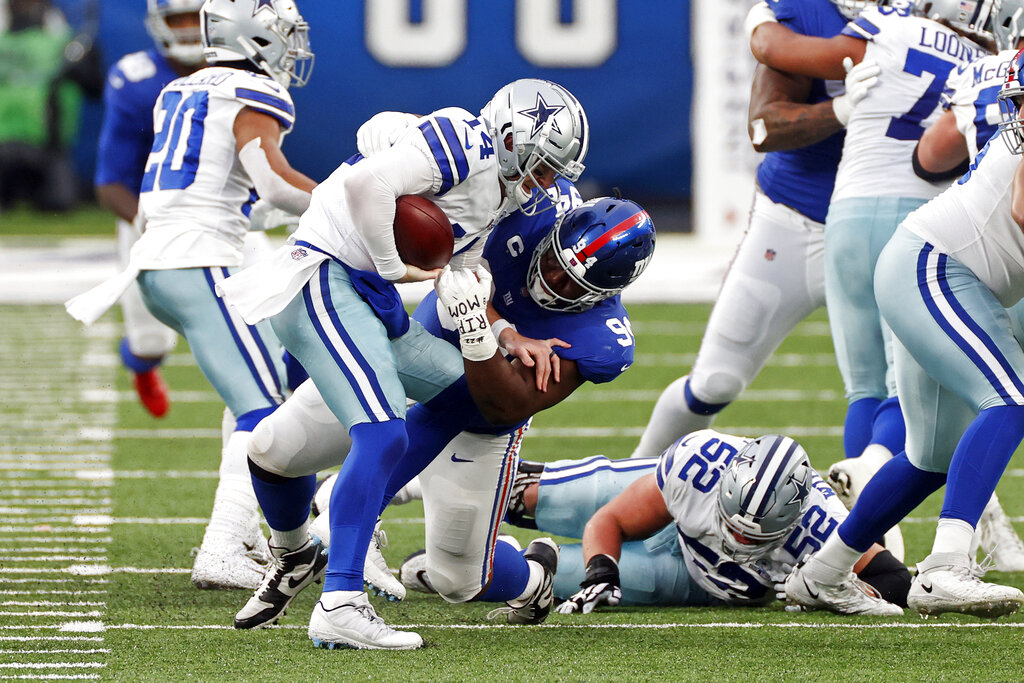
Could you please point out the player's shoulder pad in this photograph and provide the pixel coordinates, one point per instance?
(132, 68)
(449, 134)
(252, 90)
(869, 24)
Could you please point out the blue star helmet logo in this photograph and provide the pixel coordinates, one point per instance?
(802, 490)
(745, 457)
(540, 114)
(261, 4)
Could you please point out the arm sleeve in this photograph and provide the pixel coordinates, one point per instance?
(124, 143)
(371, 190)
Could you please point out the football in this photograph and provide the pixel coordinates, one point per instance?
(423, 234)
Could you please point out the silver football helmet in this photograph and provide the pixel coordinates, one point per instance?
(973, 17)
(534, 122)
(1008, 25)
(182, 44)
(763, 493)
(269, 33)
(852, 8)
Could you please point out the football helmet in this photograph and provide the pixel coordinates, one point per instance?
(763, 494)
(182, 44)
(534, 122)
(973, 17)
(1009, 98)
(1008, 26)
(601, 246)
(852, 8)
(269, 33)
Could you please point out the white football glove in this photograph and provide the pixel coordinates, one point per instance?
(859, 80)
(382, 131)
(465, 293)
(759, 14)
(265, 216)
(586, 599)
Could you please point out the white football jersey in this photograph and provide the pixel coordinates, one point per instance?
(971, 222)
(464, 184)
(688, 475)
(915, 56)
(971, 95)
(195, 193)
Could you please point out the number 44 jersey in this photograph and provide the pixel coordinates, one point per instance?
(195, 194)
(688, 475)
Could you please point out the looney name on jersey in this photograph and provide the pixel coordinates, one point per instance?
(943, 42)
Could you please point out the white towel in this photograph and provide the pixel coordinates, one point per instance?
(265, 288)
(89, 306)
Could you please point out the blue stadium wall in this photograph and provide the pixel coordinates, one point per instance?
(637, 99)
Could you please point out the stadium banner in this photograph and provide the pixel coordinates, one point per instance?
(628, 62)
(724, 160)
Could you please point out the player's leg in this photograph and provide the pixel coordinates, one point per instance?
(775, 281)
(146, 340)
(242, 363)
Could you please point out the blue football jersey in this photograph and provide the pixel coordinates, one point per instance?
(803, 178)
(133, 85)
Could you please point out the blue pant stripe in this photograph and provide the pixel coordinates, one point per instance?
(261, 345)
(599, 468)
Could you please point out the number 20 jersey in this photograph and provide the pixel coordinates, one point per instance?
(688, 475)
(195, 193)
(915, 56)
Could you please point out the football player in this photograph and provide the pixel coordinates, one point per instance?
(948, 273)
(217, 136)
(332, 301)
(776, 278)
(688, 528)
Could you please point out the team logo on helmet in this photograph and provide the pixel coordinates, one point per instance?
(264, 4)
(541, 114)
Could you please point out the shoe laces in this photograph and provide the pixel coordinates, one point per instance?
(495, 613)
(979, 569)
(380, 537)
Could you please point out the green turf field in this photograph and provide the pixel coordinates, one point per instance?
(101, 505)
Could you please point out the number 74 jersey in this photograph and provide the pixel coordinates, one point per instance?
(195, 193)
(688, 475)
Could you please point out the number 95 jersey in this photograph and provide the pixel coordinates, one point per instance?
(688, 475)
(195, 193)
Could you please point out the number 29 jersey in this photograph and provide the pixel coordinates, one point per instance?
(688, 475)
(915, 56)
(195, 193)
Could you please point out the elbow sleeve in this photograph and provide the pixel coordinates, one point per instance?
(270, 186)
(936, 176)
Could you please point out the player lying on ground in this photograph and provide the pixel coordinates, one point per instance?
(717, 519)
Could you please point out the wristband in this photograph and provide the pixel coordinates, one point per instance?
(601, 569)
(499, 326)
(476, 338)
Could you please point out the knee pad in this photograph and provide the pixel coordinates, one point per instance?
(450, 551)
(452, 587)
(301, 437)
(744, 309)
(716, 388)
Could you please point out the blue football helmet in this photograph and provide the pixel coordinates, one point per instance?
(601, 247)
(1010, 99)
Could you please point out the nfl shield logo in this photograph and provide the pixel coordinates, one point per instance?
(299, 253)
(769, 255)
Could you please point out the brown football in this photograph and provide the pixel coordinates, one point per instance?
(423, 233)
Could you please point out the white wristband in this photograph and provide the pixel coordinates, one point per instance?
(499, 326)
(475, 338)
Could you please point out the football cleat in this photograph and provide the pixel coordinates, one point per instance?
(289, 572)
(849, 476)
(413, 573)
(527, 474)
(377, 576)
(999, 539)
(534, 608)
(224, 568)
(255, 543)
(152, 391)
(353, 623)
(947, 582)
(850, 596)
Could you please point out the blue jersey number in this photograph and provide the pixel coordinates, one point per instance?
(908, 126)
(974, 164)
(986, 98)
(813, 530)
(698, 469)
(174, 160)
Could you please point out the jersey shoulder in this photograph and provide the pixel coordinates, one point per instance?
(695, 462)
(137, 78)
(809, 17)
(601, 337)
(876, 23)
(457, 144)
(252, 90)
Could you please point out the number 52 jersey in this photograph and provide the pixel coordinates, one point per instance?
(195, 193)
(688, 475)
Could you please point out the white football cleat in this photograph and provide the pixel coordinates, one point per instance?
(999, 539)
(946, 582)
(352, 623)
(376, 573)
(289, 572)
(413, 573)
(850, 596)
(849, 476)
(534, 608)
(256, 543)
(227, 567)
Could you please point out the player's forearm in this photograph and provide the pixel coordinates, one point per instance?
(780, 48)
(781, 126)
(119, 200)
(501, 393)
(602, 536)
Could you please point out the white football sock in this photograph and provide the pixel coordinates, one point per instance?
(292, 539)
(332, 599)
(953, 536)
(834, 561)
(877, 455)
(234, 503)
(532, 584)
(670, 419)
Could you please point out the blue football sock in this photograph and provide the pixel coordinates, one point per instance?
(857, 429)
(284, 500)
(979, 460)
(356, 499)
(510, 576)
(887, 427)
(895, 490)
(135, 363)
(294, 372)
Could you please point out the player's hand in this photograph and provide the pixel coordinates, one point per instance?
(759, 14)
(586, 599)
(265, 216)
(538, 354)
(414, 274)
(859, 80)
(465, 293)
(382, 131)
(780, 586)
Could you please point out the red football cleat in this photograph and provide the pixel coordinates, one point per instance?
(152, 392)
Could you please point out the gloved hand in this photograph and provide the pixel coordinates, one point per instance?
(859, 80)
(759, 14)
(600, 587)
(465, 293)
(382, 131)
(265, 216)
